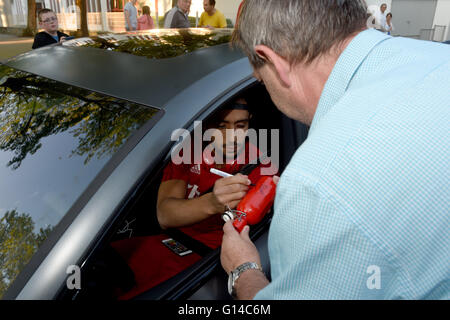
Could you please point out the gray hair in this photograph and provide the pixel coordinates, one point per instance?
(298, 30)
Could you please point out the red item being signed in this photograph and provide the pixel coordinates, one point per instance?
(254, 206)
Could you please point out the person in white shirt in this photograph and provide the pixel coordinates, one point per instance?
(130, 13)
(388, 26)
(380, 17)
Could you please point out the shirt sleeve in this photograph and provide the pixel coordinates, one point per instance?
(201, 22)
(36, 41)
(141, 21)
(61, 34)
(152, 23)
(179, 21)
(175, 172)
(40, 40)
(222, 21)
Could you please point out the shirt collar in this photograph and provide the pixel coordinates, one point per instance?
(346, 66)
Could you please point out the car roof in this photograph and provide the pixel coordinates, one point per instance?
(132, 77)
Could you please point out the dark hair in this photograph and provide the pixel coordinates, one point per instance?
(146, 10)
(212, 2)
(389, 14)
(43, 11)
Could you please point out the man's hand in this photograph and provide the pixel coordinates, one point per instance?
(229, 191)
(237, 248)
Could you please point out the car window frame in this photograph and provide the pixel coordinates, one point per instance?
(186, 282)
(121, 213)
(59, 229)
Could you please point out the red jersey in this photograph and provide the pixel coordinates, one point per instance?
(153, 263)
(200, 180)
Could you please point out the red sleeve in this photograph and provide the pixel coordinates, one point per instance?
(175, 172)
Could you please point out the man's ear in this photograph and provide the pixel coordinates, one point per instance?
(280, 64)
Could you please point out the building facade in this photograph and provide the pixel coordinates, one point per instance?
(103, 15)
(422, 19)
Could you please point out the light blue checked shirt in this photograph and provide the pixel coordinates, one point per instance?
(362, 210)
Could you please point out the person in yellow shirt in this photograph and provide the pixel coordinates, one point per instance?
(211, 18)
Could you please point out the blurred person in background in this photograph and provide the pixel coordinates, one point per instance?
(177, 17)
(130, 13)
(49, 22)
(211, 17)
(145, 21)
(380, 17)
(388, 27)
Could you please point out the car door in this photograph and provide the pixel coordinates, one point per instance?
(205, 279)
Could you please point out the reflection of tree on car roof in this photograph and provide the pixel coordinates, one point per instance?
(57, 107)
(158, 44)
(19, 241)
(186, 202)
(52, 138)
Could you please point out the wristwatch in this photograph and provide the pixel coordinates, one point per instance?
(236, 273)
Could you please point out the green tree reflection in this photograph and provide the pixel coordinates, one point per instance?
(18, 244)
(32, 108)
(160, 45)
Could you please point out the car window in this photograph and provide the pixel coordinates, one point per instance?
(54, 140)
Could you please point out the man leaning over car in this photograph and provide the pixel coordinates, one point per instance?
(362, 209)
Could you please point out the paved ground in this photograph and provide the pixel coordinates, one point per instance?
(11, 45)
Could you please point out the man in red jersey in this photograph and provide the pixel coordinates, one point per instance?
(191, 199)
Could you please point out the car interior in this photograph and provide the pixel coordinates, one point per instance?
(106, 274)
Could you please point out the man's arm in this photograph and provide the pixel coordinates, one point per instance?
(180, 21)
(173, 210)
(249, 284)
(127, 18)
(236, 250)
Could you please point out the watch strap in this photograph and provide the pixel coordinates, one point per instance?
(236, 273)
